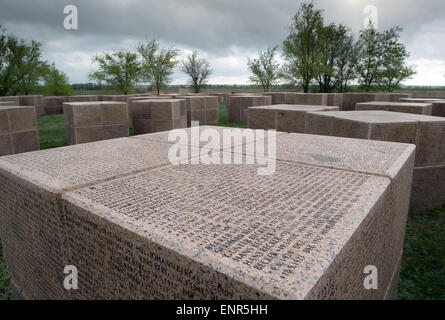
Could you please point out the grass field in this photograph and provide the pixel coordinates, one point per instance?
(423, 271)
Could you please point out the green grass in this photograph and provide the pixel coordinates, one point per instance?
(423, 264)
(51, 131)
(422, 274)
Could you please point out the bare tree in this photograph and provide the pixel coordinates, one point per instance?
(198, 69)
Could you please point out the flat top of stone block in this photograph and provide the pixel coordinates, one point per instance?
(363, 156)
(195, 97)
(275, 237)
(164, 135)
(68, 167)
(157, 100)
(92, 103)
(15, 107)
(379, 116)
(420, 99)
(397, 104)
(292, 107)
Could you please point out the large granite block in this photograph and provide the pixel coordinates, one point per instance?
(53, 105)
(14, 99)
(286, 118)
(94, 121)
(82, 98)
(155, 115)
(404, 107)
(201, 108)
(18, 130)
(426, 132)
(31, 225)
(306, 232)
(438, 108)
(238, 105)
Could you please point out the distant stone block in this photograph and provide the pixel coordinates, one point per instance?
(286, 118)
(18, 130)
(438, 108)
(404, 107)
(420, 100)
(238, 105)
(82, 98)
(426, 132)
(53, 105)
(204, 109)
(155, 115)
(36, 101)
(14, 99)
(94, 121)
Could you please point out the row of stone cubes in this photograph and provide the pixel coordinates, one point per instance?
(426, 132)
(404, 107)
(154, 115)
(18, 130)
(238, 105)
(282, 117)
(438, 105)
(94, 121)
(28, 101)
(116, 210)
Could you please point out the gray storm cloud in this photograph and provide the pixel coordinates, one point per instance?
(225, 30)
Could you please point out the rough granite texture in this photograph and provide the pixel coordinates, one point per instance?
(426, 132)
(238, 105)
(283, 117)
(138, 227)
(157, 115)
(438, 108)
(94, 121)
(36, 101)
(404, 107)
(53, 105)
(18, 130)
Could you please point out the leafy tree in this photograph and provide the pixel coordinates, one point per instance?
(157, 65)
(198, 70)
(265, 70)
(394, 54)
(347, 59)
(21, 67)
(120, 70)
(336, 58)
(301, 45)
(56, 82)
(370, 55)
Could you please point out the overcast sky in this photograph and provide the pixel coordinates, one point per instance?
(225, 31)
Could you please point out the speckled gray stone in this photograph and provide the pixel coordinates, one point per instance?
(283, 117)
(94, 121)
(53, 105)
(438, 108)
(204, 109)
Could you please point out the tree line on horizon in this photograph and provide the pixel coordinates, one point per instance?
(329, 58)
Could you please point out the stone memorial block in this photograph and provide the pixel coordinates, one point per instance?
(32, 227)
(156, 115)
(222, 97)
(438, 108)
(36, 101)
(53, 105)
(116, 210)
(7, 103)
(18, 130)
(286, 118)
(237, 106)
(94, 121)
(82, 98)
(419, 100)
(14, 99)
(204, 109)
(404, 107)
(426, 132)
